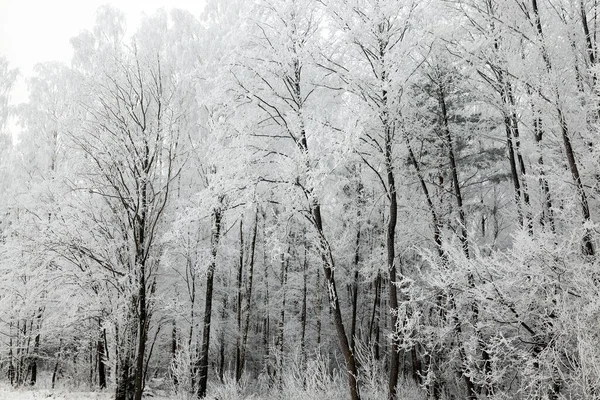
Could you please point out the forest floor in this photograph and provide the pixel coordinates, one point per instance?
(9, 393)
(315, 389)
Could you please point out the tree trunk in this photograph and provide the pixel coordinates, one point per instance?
(355, 289)
(588, 38)
(511, 126)
(281, 324)
(319, 309)
(238, 355)
(101, 358)
(471, 388)
(11, 365)
(328, 266)
(437, 233)
(266, 317)
(202, 363)
(301, 143)
(303, 312)
(92, 364)
(125, 371)
(416, 365)
(588, 247)
(538, 133)
(174, 348)
(33, 366)
(142, 336)
(360, 202)
(513, 168)
(514, 128)
(391, 253)
(222, 341)
(124, 390)
(374, 322)
(248, 296)
(56, 364)
(453, 171)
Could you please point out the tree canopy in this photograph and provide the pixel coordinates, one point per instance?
(310, 198)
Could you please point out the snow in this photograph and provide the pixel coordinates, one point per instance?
(25, 394)
(9, 393)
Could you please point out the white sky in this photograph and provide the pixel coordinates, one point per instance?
(33, 31)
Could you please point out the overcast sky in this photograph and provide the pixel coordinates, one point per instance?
(33, 31)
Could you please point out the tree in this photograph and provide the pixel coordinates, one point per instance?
(7, 79)
(129, 145)
(280, 86)
(375, 33)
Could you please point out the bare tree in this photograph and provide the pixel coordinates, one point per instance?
(129, 144)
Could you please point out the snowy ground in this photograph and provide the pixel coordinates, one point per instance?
(324, 388)
(9, 393)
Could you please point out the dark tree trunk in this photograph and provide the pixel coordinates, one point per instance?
(328, 266)
(300, 140)
(248, 297)
(56, 366)
(303, 311)
(100, 357)
(513, 168)
(266, 317)
(11, 365)
(416, 365)
(202, 364)
(471, 388)
(281, 324)
(92, 363)
(142, 336)
(125, 386)
(126, 350)
(359, 205)
(222, 341)
(453, 171)
(391, 262)
(588, 247)
(437, 233)
(238, 355)
(355, 289)
(588, 38)
(514, 129)
(19, 353)
(538, 132)
(319, 308)
(511, 127)
(174, 348)
(374, 322)
(33, 366)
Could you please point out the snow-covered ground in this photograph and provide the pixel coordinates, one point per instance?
(292, 390)
(9, 393)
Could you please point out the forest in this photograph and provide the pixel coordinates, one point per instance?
(308, 199)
